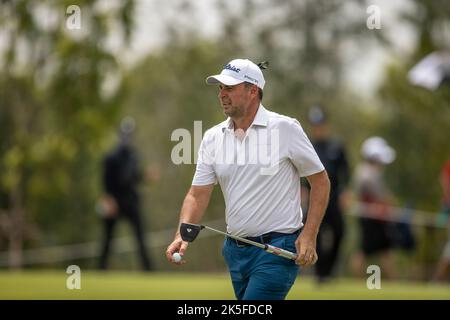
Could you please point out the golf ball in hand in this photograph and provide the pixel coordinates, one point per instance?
(176, 257)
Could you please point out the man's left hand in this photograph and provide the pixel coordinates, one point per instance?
(306, 250)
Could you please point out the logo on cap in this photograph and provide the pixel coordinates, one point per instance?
(232, 68)
(251, 79)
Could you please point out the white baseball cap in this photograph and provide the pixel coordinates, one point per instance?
(377, 149)
(238, 71)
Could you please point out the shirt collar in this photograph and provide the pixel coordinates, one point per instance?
(261, 119)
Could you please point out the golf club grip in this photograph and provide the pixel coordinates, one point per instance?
(280, 252)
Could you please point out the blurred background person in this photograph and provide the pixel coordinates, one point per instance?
(332, 153)
(443, 268)
(121, 178)
(374, 201)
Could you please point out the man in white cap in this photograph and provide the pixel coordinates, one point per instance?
(257, 156)
(374, 200)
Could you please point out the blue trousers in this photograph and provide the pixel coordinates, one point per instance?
(257, 274)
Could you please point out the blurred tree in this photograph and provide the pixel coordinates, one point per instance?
(416, 120)
(417, 123)
(60, 92)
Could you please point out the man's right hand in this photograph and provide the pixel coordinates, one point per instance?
(178, 245)
(194, 206)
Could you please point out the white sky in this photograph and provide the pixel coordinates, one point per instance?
(151, 15)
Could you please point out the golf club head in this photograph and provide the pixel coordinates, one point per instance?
(190, 231)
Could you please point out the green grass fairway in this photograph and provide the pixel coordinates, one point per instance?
(192, 286)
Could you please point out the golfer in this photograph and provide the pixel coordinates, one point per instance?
(257, 156)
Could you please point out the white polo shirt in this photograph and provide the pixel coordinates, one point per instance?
(259, 173)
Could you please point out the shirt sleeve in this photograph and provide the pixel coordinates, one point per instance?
(301, 151)
(205, 173)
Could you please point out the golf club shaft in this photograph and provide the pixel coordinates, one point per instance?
(253, 243)
(267, 247)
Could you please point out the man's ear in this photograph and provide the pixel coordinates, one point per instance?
(254, 89)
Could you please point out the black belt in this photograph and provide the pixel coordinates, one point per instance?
(265, 238)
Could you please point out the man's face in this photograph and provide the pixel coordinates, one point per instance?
(235, 99)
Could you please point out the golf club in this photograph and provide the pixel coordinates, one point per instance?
(190, 231)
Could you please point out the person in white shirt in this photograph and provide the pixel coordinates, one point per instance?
(257, 156)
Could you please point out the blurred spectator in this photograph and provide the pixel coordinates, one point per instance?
(333, 156)
(443, 267)
(121, 177)
(374, 201)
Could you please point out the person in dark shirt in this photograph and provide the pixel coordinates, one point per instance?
(333, 156)
(121, 178)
